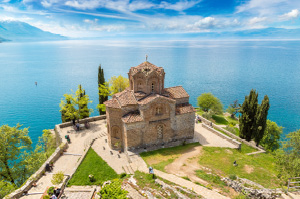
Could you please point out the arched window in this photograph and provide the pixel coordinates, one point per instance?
(160, 129)
(152, 87)
(116, 133)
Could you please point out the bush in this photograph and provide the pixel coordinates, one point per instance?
(58, 177)
(122, 175)
(46, 197)
(232, 177)
(50, 191)
(207, 115)
(113, 190)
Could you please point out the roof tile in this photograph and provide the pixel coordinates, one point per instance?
(176, 92)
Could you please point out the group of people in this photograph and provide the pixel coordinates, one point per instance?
(76, 126)
(55, 194)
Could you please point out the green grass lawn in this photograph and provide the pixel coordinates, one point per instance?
(231, 120)
(220, 120)
(259, 168)
(162, 157)
(95, 165)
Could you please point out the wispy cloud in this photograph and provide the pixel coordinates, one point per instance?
(294, 14)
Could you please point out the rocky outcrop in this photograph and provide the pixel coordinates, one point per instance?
(252, 189)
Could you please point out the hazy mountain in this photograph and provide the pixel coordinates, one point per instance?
(21, 31)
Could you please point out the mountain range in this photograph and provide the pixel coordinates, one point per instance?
(21, 31)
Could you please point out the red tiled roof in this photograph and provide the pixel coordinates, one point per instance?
(126, 97)
(176, 92)
(151, 97)
(132, 117)
(112, 103)
(146, 65)
(184, 109)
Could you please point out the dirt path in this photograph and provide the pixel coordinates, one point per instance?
(186, 164)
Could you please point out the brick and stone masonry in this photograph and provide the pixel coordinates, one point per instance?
(147, 114)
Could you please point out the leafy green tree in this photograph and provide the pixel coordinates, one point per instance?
(105, 92)
(118, 84)
(13, 141)
(288, 156)
(270, 140)
(103, 95)
(6, 188)
(207, 102)
(75, 106)
(233, 109)
(113, 190)
(261, 120)
(248, 114)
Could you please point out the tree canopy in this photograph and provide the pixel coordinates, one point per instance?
(208, 102)
(75, 106)
(288, 156)
(103, 96)
(270, 140)
(118, 84)
(253, 117)
(233, 109)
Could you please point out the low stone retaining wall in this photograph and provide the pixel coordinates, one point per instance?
(38, 174)
(229, 139)
(256, 193)
(209, 123)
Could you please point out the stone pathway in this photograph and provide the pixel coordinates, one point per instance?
(79, 192)
(207, 138)
(66, 163)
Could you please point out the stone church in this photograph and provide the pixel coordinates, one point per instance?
(147, 114)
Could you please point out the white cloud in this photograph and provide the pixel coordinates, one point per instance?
(5, 1)
(90, 21)
(83, 5)
(178, 6)
(108, 28)
(294, 14)
(256, 20)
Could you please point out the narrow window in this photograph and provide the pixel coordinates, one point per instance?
(158, 111)
(160, 131)
(152, 87)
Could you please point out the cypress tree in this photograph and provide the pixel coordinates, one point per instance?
(248, 116)
(261, 120)
(101, 81)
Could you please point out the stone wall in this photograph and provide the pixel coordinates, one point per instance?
(209, 123)
(38, 174)
(229, 139)
(185, 126)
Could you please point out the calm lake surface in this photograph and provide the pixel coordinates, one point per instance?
(228, 69)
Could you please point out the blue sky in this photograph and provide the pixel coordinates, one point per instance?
(96, 18)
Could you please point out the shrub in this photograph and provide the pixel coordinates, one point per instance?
(232, 177)
(46, 197)
(113, 190)
(122, 175)
(50, 191)
(58, 177)
(207, 115)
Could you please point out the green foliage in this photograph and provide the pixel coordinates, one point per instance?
(95, 165)
(102, 92)
(50, 191)
(207, 101)
(57, 178)
(6, 188)
(122, 175)
(288, 156)
(270, 140)
(232, 129)
(241, 196)
(253, 117)
(13, 141)
(118, 84)
(49, 142)
(46, 197)
(75, 106)
(113, 191)
(207, 115)
(232, 177)
(261, 120)
(234, 108)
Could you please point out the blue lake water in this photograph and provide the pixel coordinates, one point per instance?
(228, 69)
